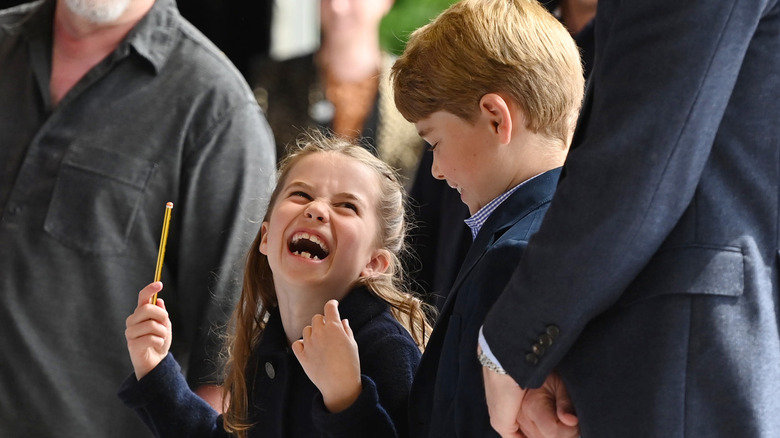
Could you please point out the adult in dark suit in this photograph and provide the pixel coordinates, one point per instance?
(652, 283)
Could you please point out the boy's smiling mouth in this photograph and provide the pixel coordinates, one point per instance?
(308, 246)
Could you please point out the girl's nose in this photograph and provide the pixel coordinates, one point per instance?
(316, 210)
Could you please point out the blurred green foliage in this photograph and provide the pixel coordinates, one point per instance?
(404, 18)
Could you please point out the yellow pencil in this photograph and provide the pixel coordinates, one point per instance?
(163, 241)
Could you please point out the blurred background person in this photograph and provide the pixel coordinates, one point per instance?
(342, 86)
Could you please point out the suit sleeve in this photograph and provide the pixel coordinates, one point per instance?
(226, 179)
(663, 76)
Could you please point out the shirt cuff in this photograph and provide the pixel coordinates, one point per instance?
(486, 349)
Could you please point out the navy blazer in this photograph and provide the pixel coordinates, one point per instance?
(658, 259)
(447, 398)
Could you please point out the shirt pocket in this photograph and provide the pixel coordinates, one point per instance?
(96, 198)
(693, 270)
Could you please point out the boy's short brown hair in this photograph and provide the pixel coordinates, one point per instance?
(514, 48)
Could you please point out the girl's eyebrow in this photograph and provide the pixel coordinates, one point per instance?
(300, 184)
(341, 196)
(350, 197)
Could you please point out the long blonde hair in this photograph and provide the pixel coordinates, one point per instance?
(258, 294)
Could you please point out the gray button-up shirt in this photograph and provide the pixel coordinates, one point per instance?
(83, 187)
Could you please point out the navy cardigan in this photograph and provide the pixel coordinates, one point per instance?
(283, 401)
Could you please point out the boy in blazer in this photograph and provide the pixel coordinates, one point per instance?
(498, 110)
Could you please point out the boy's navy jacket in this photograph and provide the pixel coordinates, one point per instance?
(283, 402)
(448, 398)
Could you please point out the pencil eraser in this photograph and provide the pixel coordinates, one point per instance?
(169, 205)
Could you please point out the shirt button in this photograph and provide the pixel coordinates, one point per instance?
(269, 369)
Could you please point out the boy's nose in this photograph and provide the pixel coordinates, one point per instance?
(435, 170)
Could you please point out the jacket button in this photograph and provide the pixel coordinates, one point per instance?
(553, 331)
(269, 369)
(538, 349)
(531, 358)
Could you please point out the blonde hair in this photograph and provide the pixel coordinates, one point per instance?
(512, 47)
(258, 294)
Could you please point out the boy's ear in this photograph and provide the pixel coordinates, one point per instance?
(496, 110)
(379, 263)
(264, 238)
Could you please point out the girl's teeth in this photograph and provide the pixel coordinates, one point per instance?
(306, 255)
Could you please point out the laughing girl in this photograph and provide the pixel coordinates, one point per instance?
(324, 339)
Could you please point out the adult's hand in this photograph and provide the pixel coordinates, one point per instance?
(504, 399)
(547, 411)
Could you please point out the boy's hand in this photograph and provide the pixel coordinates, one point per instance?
(328, 354)
(148, 331)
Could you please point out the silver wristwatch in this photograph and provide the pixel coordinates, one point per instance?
(489, 364)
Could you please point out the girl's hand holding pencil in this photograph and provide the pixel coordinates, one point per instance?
(148, 331)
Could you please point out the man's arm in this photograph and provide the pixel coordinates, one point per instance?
(225, 182)
(663, 79)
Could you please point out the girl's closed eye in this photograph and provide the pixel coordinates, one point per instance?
(349, 206)
(431, 147)
(300, 194)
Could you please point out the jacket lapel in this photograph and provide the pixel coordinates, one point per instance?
(522, 202)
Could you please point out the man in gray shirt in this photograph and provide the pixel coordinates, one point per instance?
(108, 110)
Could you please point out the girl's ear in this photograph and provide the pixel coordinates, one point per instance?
(496, 111)
(379, 263)
(264, 238)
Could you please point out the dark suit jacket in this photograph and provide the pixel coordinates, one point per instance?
(439, 239)
(447, 399)
(658, 258)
